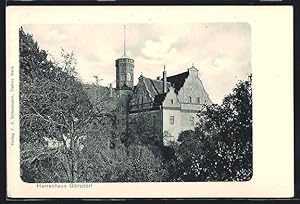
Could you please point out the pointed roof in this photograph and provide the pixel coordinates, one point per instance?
(159, 98)
(153, 86)
(177, 81)
(124, 57)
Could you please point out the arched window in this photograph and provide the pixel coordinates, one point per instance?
(122, 77)
(129, 76)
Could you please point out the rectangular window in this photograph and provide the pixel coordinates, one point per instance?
(172, 120)
(198, 99)
(192, 121)
(190, 99)
(172, 101)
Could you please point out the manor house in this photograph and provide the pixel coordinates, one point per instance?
(170, 102)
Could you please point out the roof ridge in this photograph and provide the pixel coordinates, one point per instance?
(157, 80)
(178, 74)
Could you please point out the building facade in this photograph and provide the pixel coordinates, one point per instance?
(170, 102)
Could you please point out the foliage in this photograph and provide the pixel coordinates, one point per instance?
(54, 108)
(69, 133)
(143, 129)
(103, 156)
(144, 142)
(143, 165)
(68, 130)
(220, 148)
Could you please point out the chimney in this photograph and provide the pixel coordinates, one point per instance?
(158, 78)
(165, 80)
(110, 90)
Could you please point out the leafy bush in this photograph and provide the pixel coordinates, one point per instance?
(220, 148)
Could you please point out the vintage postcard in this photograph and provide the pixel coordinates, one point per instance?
(161, 101)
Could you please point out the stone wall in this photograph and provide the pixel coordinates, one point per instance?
(123, 67)
(122, 112)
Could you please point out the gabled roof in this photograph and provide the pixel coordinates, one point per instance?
(159, 98)
(158, 85)
(124, 56)
(177, 81)
(154, 87)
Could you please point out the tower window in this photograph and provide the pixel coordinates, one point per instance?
(129, 76)
(172, 120)
(122, 77)
(198, 99)
(192, 121)
(190, 99)
(172, 101)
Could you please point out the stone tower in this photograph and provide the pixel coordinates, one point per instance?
(124, 70)
(124, 86)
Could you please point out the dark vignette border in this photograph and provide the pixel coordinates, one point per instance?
(150, 2)
(296, 5)
(2, 104)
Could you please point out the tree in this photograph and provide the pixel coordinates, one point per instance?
(143, 129)
(144, 143)
(220, 148)
(105, 105)
(107, 159)
(143, 165)
(68, 129)
(103, 156)
(54, 113)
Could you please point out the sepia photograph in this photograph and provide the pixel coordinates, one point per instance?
(157, 102)
(135, 103)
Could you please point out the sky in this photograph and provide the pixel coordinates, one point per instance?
(220, 51)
